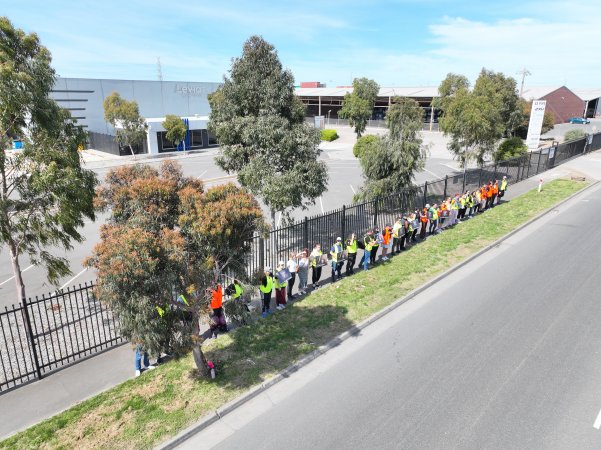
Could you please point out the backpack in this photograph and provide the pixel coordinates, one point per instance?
(361, 244)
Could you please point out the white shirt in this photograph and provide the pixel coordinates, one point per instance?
(291, 264)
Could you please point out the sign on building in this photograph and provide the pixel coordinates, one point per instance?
(536, 124)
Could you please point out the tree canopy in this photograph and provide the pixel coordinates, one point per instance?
(45, 194)
(263, 137)
(175, 129)
(168, 237)
(477, 119)
(124, 115)
(390, 162)
(358, 106)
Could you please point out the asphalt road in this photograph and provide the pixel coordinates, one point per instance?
(345, 179)
(502, 354)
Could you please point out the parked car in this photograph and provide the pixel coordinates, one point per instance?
(580, 120)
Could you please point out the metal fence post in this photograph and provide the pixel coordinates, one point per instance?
(464, 176)
(31, 338)
(538, 163)
(529, 164)
(376, 201)
(446, 180)
(261, 253)
(306, 233)
(425, 193)
(343, 224)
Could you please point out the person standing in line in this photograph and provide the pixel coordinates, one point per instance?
(303, 271)
(378, 239)
(423, 217)
(386, 242)
(368, 242)
(292, 266)
(432, 218)
(316, 265)
(415, 224)
(280, 288)
(495, 192)
(266, 287)
(336, 254)
(443, 214)
(455, 209)
(218, 319)
(482, 198)
(502, 188)
(351, 248)
(403, 232)
(396, 236)
(489, 195)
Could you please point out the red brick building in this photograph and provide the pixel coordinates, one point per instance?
(561, 101)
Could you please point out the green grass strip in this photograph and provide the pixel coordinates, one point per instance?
(154, 407)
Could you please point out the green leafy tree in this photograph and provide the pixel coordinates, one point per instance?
(477, 119)
(124, 115)
(168, 237)
(509, 149)
(175, 129)
(262, 133)
(44, 192)
(364, 144)
(390, 162)
(358, 106)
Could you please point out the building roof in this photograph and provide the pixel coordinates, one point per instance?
(537, 92)
(587, 94)
(423, 91)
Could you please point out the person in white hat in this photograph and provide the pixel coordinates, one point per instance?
(337, 261)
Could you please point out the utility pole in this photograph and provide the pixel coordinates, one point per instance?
(159, 69)
(524, 73)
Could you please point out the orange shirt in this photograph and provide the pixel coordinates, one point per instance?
(216, 297)
(489, 191)
(386, 236)
(495, 189)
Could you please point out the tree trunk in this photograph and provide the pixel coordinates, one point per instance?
(272, 211)
(199, 357)
(14, 257)
(131, 149)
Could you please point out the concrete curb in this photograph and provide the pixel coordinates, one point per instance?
(353, 331)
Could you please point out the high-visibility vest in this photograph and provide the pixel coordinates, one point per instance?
(503, 185)
(279, 285)
(489, 192)
(352, 247)
(386, 236)
(315, 254)
(495, 189)
(216, 297)
(454, 204)
(434, 212)
(424, 216)
(336, 248)
(395, 229)
(268, 287)
(470, 201)
(409, 227)
(462, 201)
(238, 291)
(369, 242)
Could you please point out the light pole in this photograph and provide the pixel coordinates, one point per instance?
(329, 111)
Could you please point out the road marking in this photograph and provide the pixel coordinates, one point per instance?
(200, 176)
(24, 270)
(352, 188)
(227, 177)
(597, 423)
(71, 280)
(321, 203)
(431, 173)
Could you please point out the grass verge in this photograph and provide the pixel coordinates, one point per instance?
(145, 411)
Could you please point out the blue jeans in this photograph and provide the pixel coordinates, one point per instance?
(139, 355)
(366, 256)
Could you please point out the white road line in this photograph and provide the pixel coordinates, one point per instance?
(597, 423)
(352, 188)
(71, 280)
(11, 278)
(321, 203)
(431, 173)
(200, 176)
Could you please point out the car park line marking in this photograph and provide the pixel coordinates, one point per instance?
(200, 176)
(431, 173)
(352, 188)
(71, 280)
(24, 270)
(597, 423)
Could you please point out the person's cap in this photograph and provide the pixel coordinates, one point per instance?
(427, 205)
(267, 269)
(281, 263)
(338, 238)
(504, 177)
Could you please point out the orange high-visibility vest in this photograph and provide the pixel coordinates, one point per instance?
(495, 189)
(216, 297)
(386, 235)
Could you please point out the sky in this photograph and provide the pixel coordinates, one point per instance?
(394, 42)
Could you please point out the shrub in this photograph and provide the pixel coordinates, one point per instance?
(364, 143)
(329, 135)
(572, 135)
(510, 148)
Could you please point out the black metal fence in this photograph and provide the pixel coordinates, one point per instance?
(54, 331)
(51, 332)
(357, 218)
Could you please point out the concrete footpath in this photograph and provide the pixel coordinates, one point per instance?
(42, 399)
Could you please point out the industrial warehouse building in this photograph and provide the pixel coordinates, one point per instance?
(84, 97)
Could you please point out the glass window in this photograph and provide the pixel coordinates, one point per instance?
(195, 138)
(212, 139)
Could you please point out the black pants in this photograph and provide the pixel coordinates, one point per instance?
(414, 235)
(266, 301)
(350, 263)
(374, 252)
(433, 225)
(336, 269)
(316, 274)
(291, 284)
(493, 200)
(423, 230)
(402, 240)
